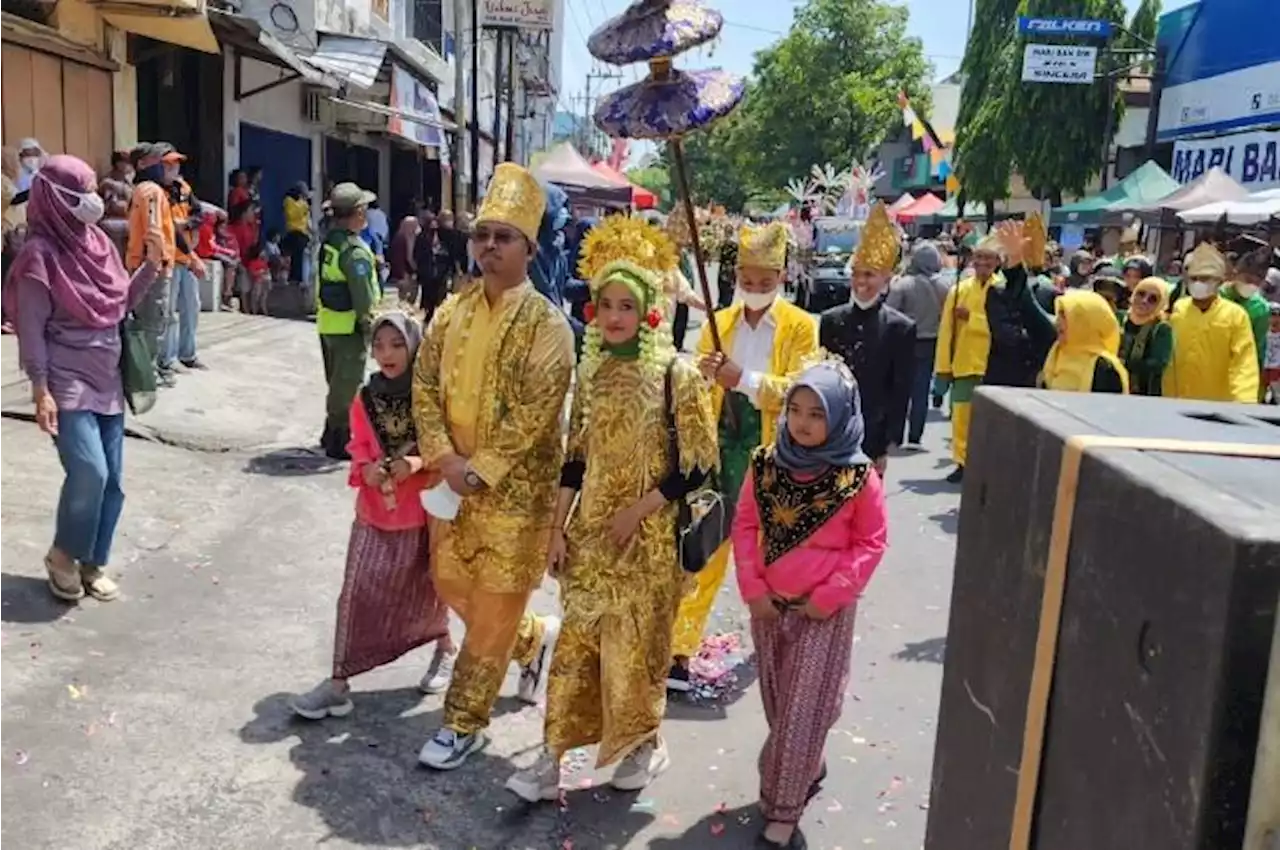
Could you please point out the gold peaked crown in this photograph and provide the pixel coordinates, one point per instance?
(1206, 261)
(619, 238)
(990, 244)
(515, 198)
(1037, 236)
(878, 250)
(763, 247)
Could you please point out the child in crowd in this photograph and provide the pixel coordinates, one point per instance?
(220, 260)
(808, 533)
(277, 260)
(1271, 365)
(388, 604)
(254, 283)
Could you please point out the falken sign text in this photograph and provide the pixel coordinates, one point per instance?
(1064, 26)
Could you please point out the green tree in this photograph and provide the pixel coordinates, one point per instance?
(982, 152)
(714, 164)
(657, 180)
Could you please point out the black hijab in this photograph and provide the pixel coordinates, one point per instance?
(389, 401)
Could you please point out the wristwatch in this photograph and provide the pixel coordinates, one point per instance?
(473, 480)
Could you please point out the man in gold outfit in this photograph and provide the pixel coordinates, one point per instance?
(488, 394)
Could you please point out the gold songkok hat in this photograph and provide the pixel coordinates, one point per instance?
(990, 244)
(515, 198)
(1206, 261)
(763, 247)
(1037, 236)
(878, 250)
(631, 244)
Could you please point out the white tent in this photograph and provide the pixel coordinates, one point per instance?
(1253, 209)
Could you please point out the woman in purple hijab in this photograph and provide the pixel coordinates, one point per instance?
(68, 294)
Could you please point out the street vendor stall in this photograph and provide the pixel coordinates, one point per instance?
(641, 198)
(1257, 208)
(1147, 184)
(566, 168)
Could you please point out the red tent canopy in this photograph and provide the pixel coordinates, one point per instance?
(641, 198)
(926, 204)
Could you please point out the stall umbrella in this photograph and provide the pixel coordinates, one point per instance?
(668, 103)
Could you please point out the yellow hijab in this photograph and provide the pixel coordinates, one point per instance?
(1160, 289)
(1088, 330)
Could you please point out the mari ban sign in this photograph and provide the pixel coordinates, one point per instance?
(1059, 63)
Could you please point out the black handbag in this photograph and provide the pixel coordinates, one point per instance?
(703, 525)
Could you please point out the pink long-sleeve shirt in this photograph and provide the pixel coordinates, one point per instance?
(371, 507)
(830, 568)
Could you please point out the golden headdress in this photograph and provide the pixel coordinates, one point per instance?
(763, 247)
(1037, 236)
(515, 198)
(1206, 261)
(990, 244)
(879, 248)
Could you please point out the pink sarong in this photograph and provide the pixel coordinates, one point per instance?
(388, 604)
(804, 665)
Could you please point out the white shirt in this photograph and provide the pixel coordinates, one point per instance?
(753, 351)
(1272, 360)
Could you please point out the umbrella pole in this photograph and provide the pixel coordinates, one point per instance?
(677, 148)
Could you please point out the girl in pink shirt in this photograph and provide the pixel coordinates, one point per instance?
(808, 532)
(388, 604)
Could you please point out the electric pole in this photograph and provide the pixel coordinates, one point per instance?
(589, 132)
(460, 106)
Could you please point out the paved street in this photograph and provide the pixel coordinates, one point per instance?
(159, 721)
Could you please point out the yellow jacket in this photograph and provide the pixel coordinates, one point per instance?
(1214, 355)
(795, 338)
(963, 353)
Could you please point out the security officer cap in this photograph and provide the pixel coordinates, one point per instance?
(347, 197)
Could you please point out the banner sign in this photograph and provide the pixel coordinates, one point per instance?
(1064, 26)
(1059, 63)
(410, 98)
(1251, 159)
(521, 14)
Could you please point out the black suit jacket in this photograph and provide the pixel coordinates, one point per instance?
(879, 346)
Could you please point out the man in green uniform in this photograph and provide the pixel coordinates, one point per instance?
(346, 294)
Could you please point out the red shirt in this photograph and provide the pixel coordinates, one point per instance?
(371, 505)
(246, 236)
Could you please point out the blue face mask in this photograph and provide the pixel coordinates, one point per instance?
(154, 173)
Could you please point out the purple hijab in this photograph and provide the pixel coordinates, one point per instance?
(76, 261)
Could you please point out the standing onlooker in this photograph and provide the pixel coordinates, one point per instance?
(433, 267)
(253, 177)
(1146, 342)
(237, 188)
(400, 258)
(1245, 289)
(184, 294)
(802, 578)
(254, 281)
(150, 218)
(31, 156)
(70, 294)
(297, 229)
(116, 189)
(920, 294)
(219, 259)
(377, 233)
(1271, 367)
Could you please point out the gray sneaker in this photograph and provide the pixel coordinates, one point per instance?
(447, 749)
(326, 699)
(539, 783)
(440, 671)
(642, 765)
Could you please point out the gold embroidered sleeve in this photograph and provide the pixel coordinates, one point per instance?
(539, 406)
(696, 431)
(428, 406)
(576, 450)
(803, 341)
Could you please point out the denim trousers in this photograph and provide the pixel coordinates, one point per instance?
(922, 380)
(184, 313)
(91, 448)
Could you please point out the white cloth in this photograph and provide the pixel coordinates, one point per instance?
(753, 351)
(1273, 350)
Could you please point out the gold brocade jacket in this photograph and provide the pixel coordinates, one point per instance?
(500, 536)
(625, 448)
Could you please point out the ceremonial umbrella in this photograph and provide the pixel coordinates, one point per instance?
(668, 103)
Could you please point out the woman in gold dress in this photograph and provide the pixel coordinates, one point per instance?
(614, 545)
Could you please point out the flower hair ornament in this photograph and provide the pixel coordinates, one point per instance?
(824, 359)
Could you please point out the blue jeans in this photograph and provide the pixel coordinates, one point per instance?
(184, 313)
(91, 448)
(921, 382)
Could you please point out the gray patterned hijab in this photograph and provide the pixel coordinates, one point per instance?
(838, 391)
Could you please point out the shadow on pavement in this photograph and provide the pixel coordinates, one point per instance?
(27, 600)
(948, 520)
(933, 650)
(731, 829)
(361, 775)
(292, 461)
(600, 816)
(928, 486)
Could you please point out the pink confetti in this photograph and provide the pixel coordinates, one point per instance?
(21, 757)
(721, 808)
(717, 829)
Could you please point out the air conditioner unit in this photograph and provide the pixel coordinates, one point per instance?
(312, 104)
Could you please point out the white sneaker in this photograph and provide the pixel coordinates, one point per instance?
(447, 749)
(439, 672)
(538, 783)
(324, 700)
(533, 676)
(912, 446)
(642, 765)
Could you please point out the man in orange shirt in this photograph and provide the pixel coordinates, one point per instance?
(150, 213)
(184, 292)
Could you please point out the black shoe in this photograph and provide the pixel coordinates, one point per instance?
(678, 679)
(336, 447)
(797, 842)
(816, 785)
(195, 363)
(956, 476)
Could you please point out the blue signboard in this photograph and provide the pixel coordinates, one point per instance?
(1064, 26)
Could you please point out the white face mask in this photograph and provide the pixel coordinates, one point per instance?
(1246, 290)
(757, 300)
(87, 207)
(1200, 290)
(863, 304)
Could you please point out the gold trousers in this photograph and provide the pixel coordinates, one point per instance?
(961, 412)
(695, 608)
(498, 632)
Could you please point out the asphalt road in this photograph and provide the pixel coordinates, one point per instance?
(159, 721)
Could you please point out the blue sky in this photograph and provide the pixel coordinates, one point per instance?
(751, 25)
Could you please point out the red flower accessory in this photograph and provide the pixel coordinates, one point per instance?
(590, 312)
(654, 318)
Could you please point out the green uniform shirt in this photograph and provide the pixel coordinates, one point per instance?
(1259, 310)
(356, 265)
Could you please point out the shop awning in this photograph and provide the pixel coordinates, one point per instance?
(355, 60)
(180, 22)
(396, 114)
(248, 37)
(1145, 185)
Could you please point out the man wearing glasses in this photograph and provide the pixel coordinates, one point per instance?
(489, 387)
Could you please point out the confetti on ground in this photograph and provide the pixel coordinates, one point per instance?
(858, 740)
(75, 692)
(717, 829)
(721, 808)
(568, 844)
(21, 757)
(584, 783)
(835, 806)
(644, 805)
(713, 670)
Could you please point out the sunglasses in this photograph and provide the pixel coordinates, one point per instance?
(1150, 299)
(501, 237)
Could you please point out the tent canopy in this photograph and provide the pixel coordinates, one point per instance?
(1214, 185)
(902, 203)
(566, 168)
(1253, 209)
(1147, 184)
(641, 198)
(924, 205)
